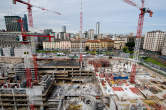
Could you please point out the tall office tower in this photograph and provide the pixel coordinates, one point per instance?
(91, 34)
(48, 31)
(12, 24)
(86, 34)
(1, 52)
(98, 28)
(154, 41)
(64, 28)
(25, 22)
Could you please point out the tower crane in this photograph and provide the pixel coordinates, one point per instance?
(81, 23)
(138, 35)
(27, 59)
(30, 18)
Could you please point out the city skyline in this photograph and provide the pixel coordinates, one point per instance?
(112, 18)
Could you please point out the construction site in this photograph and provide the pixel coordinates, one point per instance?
(31, 81)
(92, 84)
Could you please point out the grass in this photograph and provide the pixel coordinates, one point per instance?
(131, 56)
(92, 52)
(52, 51)
(148, 59)
(161, 73)
(43, 51)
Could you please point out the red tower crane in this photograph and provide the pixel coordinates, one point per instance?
(24, 35)
(138, 35)
(81, 23)
(27, 62)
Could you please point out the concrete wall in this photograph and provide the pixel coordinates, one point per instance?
(11, 60)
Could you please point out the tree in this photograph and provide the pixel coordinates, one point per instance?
(87, 48)
(125, 49)
(130, 46)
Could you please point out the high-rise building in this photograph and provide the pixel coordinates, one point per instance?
(1, 52)
(12, 24)
(64, 28)
(25, 23)
(154, 41)
(91, 34)
(48, 31)
(98, 28)
(86, 34)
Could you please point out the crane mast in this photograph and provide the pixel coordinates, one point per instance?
(81, 23)
(138, 35)
(33, 39)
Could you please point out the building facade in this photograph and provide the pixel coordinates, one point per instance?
(25, 23)
(107, 44)
(76, 45)
(12, 24)
(99, 44)
(164, 48)
(91, 34)
(97, 28)
(119, 44)
(64, 29)
(93, 44)
(60, 45)
(154, 41)
(9, 40)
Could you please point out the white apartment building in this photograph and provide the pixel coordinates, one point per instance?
(91, 34)
(62, 45)
(154, 41)
(164, 48)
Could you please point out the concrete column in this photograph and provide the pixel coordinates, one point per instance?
(1, 103)
(72, 72)
(14, 100)
(41, 108)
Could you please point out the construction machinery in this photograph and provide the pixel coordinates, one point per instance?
(24, 35)
(33, 45)
(138, 35)
(81, 22)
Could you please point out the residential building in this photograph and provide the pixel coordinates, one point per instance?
(142, 42)
(91, 34)
(121, 38)
(126, 38)
(99, 44)
(93, 44)
(164, 48)
(76, 44)
(154, 41)
(61, 45)
(119, 44)
(107, 44)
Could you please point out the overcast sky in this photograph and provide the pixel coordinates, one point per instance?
(115, 16)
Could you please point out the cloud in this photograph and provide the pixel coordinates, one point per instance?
(115, 15)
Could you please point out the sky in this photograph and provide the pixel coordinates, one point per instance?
(115, 16)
